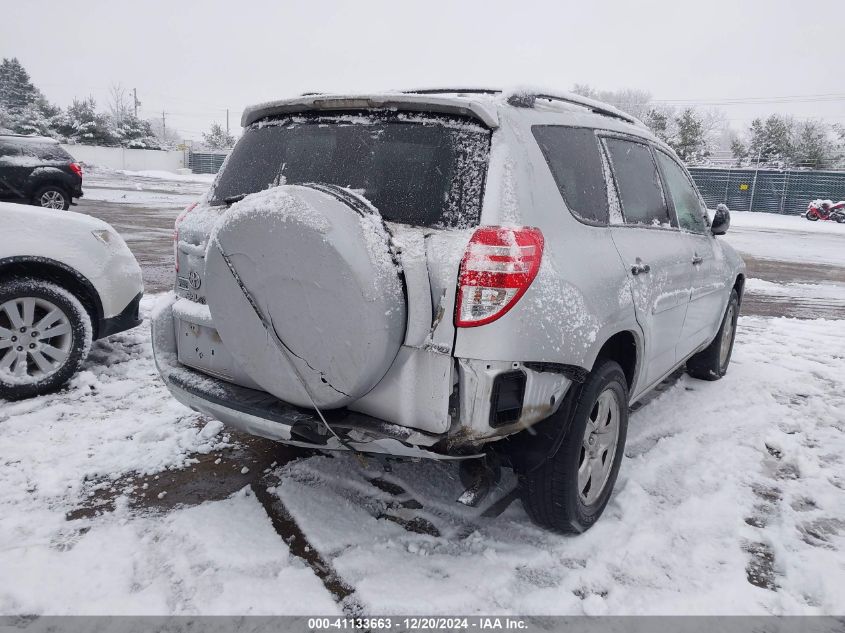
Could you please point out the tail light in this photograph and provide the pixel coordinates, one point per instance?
(498, 267)
(176, 224)
(76, 168)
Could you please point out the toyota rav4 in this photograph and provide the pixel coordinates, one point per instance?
(449, 274)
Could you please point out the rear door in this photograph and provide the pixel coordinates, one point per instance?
(707, 282)
(653, 251)
(14, 169)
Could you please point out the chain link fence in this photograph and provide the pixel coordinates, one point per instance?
(774, 191)
(769, 190)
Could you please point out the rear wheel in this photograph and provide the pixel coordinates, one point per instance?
(52, 197)
(569, 490)
(45, 334)
(712, 362)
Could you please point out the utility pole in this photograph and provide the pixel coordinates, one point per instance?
(227, 121)
(137, 103)
(163, 126)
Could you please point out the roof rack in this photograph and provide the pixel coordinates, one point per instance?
(527, 98)
(447, 91)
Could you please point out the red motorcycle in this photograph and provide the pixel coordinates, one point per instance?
(826, 210)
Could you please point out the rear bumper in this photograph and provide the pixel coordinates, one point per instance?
(259, 413)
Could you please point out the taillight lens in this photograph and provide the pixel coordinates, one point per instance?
(76, 168)
(176, 224)
(498, 267)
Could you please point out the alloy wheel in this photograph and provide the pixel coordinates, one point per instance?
(35, 339)
(52, 199)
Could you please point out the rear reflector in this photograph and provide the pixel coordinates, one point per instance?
(498, 267)
(76, 168)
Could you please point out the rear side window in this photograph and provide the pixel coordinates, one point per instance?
(638, 183)
(46, 151)
(41, 150)
(420, 170)
(574, 159)
(687, 204)
(7, 149)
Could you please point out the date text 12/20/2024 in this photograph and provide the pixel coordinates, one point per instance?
(419, 624)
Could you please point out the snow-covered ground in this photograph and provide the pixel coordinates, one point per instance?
(147, 188)
(731, 499)
(787, 238)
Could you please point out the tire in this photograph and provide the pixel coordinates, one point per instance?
(712, 362)
(52, 197)
(30, 363)
(812, 217)
(840, 219)
(552, 493)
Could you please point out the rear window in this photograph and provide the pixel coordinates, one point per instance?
(416, 169)
(46, 151)
(574, 159)
(42, 150)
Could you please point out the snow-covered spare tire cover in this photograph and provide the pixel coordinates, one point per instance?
(317, 263)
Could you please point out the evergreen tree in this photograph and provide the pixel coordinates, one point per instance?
(136, 133)
(217, 138)
(811, 145)
(660, 122)
(16, 90)
(839, 146)
(82, 124)
(739, 150)
(772, 141)
(691, 142)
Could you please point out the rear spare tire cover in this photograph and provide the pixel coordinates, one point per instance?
(322, 276)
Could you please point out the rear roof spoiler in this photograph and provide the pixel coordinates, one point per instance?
(483, 112)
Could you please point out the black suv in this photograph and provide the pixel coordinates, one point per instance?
(36, 170)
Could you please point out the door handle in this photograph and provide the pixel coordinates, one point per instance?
(697, 259)
(639, 268)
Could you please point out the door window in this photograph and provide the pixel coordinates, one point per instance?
(638, 183)
(574, 159)
(687, 204)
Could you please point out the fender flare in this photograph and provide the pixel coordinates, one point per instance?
(80, 284)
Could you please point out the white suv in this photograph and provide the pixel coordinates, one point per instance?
(65, 279)
(452, 275)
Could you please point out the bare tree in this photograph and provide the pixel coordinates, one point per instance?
(631, 100)
(120, 105)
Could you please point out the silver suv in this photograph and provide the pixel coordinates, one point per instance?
(449, 274)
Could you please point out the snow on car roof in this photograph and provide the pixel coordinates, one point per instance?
(37, 139)
(479, 102)
(485, 111)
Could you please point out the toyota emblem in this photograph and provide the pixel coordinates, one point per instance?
(194, 279)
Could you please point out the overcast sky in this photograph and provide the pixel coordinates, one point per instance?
(195, 59)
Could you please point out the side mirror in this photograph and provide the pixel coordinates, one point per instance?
(721, 220)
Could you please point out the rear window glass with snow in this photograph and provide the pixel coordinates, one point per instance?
(46, 151)
(42, 150)
(419, 170)
(638, 183)
(574, 158)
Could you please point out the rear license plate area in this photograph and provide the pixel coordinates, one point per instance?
(200, 347)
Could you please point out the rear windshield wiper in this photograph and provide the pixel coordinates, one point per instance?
(234, 199)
